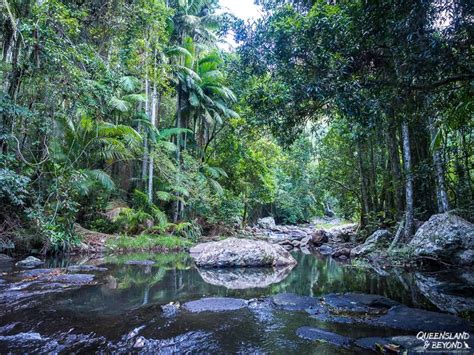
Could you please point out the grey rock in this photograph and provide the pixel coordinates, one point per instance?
(296, 243)
(358, 302)
(414, 319)
(316, 334)
(73, 279)
(305, 250)
(379, 240)
(39, 273)
(87, 268)
(342, 233)
(326, 250)
(170, 309)
(446, 237)
(293, 302)
(55, 277)
(5, 258)
(266, 223)
(449, 291)
(297, 234)
(244, 278)
(234, 252)
(305, 241)
(140, 262)
(29, 262)
(407, 342)
(341, 252)
(215, 304)
(319, 238)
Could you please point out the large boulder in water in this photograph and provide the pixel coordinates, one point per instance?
(234, 252)
(446, 237)
(378, 240)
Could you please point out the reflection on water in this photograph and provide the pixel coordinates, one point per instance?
(130, 296)
(245, 278)
(173, 278)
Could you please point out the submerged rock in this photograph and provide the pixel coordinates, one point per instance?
(293, 302)
(234, 252)
(243, 278)
(316, 334)
(379, 240)
(325, 250)
(40, 273)
(391, 344)
(358, 302)
(140, 262)
(446, 237)
(90, 268)
(30, 262)
(449, 291)
(215, 304)
(73, 279)
(5, 258)
(414, 319)
(188, 343)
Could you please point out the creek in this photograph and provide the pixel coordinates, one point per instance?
(140, 303)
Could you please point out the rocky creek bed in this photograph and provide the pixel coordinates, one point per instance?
(144, 302)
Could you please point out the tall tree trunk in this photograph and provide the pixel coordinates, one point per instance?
(151, 160)
(177, 202)
(441, 194)
(395, 168)
(147, 112)
(409, 209)
(364, 199)
(373, 176)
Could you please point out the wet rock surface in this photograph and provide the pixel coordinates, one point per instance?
(357, 302)
(26, 288)
(316, 334)
(86, 268)
(234, 252)
(215, 304)
(292, 302)
(140, 262)
(391, 344)
(413, 319)
(448, 291)
(29, 262)
(5, 258)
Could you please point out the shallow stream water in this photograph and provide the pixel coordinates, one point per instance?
(122, 308)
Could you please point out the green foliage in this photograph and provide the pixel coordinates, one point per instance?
(304, 118)
(147, 242)
(13, 188)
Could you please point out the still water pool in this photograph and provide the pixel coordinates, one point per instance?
(122, 309)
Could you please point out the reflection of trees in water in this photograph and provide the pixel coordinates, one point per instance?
(319, 276)
(173, 278)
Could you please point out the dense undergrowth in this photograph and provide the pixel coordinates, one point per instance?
(130, 120)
